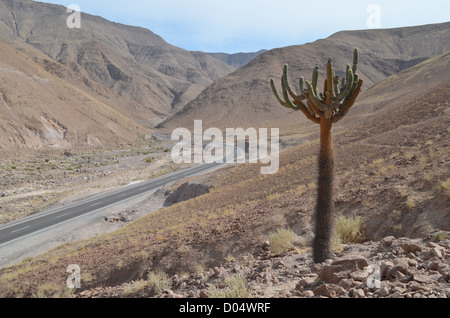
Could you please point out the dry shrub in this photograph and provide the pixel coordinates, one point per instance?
(281, 241)
(159, 282)
(235, 287)
(347, 230)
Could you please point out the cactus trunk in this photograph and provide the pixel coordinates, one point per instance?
(325, 201)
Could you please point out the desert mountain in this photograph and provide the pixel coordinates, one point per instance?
(94, 85)
(132, 61)
(244, 97)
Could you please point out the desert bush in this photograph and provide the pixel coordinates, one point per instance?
(281, 241)
(135, 287)
(47, 290)
(444, 186)
(439, 237)
(235, 287)
(348, 230)
(149, 160)
(159, 282)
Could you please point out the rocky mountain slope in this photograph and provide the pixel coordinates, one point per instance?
(39, 108)
(244, 98)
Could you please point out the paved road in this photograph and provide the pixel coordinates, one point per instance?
(16, 230)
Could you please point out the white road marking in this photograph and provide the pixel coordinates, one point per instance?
(60, 216)
(22, 229)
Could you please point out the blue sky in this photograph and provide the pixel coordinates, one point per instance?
(250, 25)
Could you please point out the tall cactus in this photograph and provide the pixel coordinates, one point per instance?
(324, 108)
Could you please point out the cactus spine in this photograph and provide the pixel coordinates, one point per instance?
(325, 108)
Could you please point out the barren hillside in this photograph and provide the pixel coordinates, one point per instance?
(131, 61)
(40, 109)
(243, 98)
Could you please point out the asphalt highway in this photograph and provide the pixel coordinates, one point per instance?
(44, 220)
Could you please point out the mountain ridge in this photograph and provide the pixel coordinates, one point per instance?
(243, 98)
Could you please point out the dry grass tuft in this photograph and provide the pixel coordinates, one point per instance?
(282, 241)
(235, 287)
(347, 230)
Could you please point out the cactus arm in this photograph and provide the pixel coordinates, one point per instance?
(337, 90)
(301, 106)
(355, 60)
(316, 101)
(297, 98)
(302, 85)
(329, 93)
(347, 89)
(314, 110)
(351, 101)
(315, 80)
(352, 90)
(277, 96)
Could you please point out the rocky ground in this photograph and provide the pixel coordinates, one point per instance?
(390, 268)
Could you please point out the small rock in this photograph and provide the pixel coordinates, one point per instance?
(434, 252)
(433, 266)
(331, 274)
(217, 272)
(383, 292)
(323, 290)
(387, 241)
(305, 283)
(338, 290)
(279, 264)
(265, 264)
(347, 283)
(423, 279)
(413, 263)
(359, 293)
(409, 247)
(359, 276)
(396, 295)
(415, 286)
(204, 294)
(308, 294)
(385, 267)
(351, 262)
